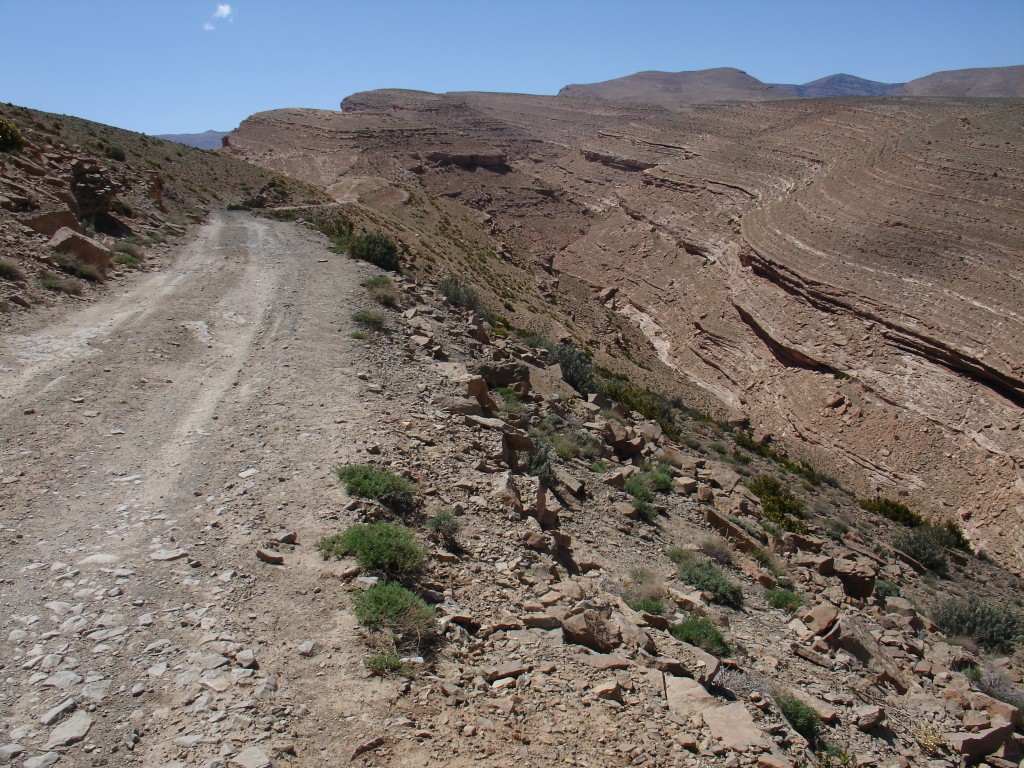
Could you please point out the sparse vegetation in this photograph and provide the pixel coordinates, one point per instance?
(804, 720)
(382, 547)
(61, 285)
(697, 630)
(927, 545)
(707, 577)
(508, 401)
(114, 152)
(377, 248)
(538, 464)
(394, 609)
(783, 600)
(73, 266)
(388, 662)
(382, 290)
(372, 483)
(997, 685)
(459, 293)
(644, 591)
(9, 270)
(10, 137)
(886, 588)
(892, 510)
(781, 506)
(996, 628)
(370, 318)
(445, 526)
(715, 548)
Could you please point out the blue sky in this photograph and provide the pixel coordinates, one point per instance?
(163, 66)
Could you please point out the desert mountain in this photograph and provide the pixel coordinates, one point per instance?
(674, 89)
(988, 82)
(841, 274)
(204, 140)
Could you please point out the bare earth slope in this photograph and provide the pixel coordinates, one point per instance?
(843, 273)
(993, 81)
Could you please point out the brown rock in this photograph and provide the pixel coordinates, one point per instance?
(83, 248)
(734, 726)
(593, 629)
(868, 717)
(858, 578)
(53, 221)
(820, 618)
(975, 746)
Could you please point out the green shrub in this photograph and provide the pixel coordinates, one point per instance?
(652, 405)
(376, 248)
(389, 549)
(885, 588)
(538, 464)
(577, 368)
(380, 484)
(508, 401)
(804, 720)
(10, 136)
(392, 608)
(370, 318)
(9, 270)
(60, 285)
(444, 525)
(893, 510)
(337, 227)
(382, 290)
(783, 600)
(995, 628)
(459, 293)
(926, 545)
(697, 630)
(638, 489)
(127, 260)
(647, 605)
(707, 577)
(115, 153)
(388, 662)
(781, 506)
(360, 335)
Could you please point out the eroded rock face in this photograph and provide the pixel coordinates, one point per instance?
(840, 274)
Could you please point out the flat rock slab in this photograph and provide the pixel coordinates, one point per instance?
(253, 757)
(70, 731)
(687, 698)
(166, 555)
(734, 726)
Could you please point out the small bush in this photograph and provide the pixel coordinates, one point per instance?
(997, 685)
(115, 153)
(360, 335)
(926, 546)
(638, 489)
(781, 506)
(388, 662)
(804, 720)
(893, 510)
(127, 260)
(577, 368)
(707, 577)
(393, 608)
(508, 401)
(783, 600)
(767, 560)
(538, 464)
(10, 137)
(9, 270)
(376, 248)
(337, 227)
(459, 293)
(373, 483)
(131, 249)
(716, 548)
(370, 318)
(886, 588)
(382, 547)
(698, 631)
(73, 266)
(648, 605)
(60, 285)
(995, 628)
(385, 294)
(445, 526)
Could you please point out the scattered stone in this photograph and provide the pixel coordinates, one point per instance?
(253, 757)
(59, 712)
(71, 731)
(270, 556)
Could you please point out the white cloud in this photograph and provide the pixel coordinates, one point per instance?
(224, 11)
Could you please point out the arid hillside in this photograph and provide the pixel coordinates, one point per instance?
(845, 274)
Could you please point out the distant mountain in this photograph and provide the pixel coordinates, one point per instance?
(988, 82)
(205, 140)
(675, 89)
(844, 85)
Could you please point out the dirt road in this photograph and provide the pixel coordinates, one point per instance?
(151, 443)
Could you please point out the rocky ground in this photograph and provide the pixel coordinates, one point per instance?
(843, 273)
(168, 468)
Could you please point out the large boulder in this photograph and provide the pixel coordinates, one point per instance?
(51, 222)
(83, 248)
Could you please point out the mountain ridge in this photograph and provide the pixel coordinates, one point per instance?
(675, 89)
